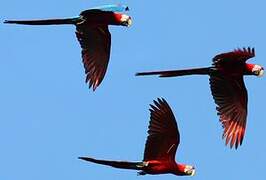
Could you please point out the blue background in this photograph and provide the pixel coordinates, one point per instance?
(49, 117)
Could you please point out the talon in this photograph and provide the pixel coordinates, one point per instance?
(141, 173)
(81, 21)
(145, 164)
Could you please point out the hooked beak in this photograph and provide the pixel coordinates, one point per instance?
(129, 22)
(261, 73)
(125, 20)
(193, 172)
(190, 170)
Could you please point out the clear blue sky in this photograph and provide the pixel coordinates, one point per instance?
(49, 117)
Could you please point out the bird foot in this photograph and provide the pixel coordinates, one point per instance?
(143, 164)
(81, 21)
(141, 173)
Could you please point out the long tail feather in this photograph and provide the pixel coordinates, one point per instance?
(44, 21)
(116, 164)
(174, 73)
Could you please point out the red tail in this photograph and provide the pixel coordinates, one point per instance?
(44, 21)
(174, 73)
(116, 164)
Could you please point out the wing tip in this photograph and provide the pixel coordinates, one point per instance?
(234, 141)
(94, 84)
(158, 103)
(249, 51)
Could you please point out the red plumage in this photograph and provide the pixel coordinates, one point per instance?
(161, 145)
(227, 87)
(94, 38)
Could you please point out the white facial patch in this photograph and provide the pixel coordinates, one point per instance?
(258, 70)
(190, 169)
(126, 18)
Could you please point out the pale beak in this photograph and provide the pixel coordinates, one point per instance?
(190, 170)
(129, 22)
(193, 172)
(261, 73)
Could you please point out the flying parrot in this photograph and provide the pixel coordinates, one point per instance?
(227, 87)
(161, 145)
(93, 35)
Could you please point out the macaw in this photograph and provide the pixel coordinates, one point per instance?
(93, 35)
(161, 145)
(227, 87)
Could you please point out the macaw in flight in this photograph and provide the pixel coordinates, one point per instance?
(93, 35)
(161, 145)
(227, 87)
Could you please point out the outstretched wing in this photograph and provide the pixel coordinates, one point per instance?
(163, 138)
(96, 44)
(236, 56)
(230, 96)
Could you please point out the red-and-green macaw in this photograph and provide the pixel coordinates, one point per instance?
(93, 35)
(160, 148)
(227, 87)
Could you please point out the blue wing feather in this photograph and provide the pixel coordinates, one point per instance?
(112, 7)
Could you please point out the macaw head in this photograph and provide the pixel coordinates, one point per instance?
(258, 70)
(123, 19)
(185, 170)
(254, 69)
(189, 170)
(126, 20)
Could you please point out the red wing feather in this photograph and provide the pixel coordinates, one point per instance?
(163, 138)
(96, 44)
(230, 96)
(236, 56)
